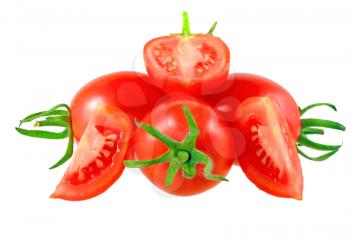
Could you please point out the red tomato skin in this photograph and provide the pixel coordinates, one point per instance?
(197, 86)
(110, 118)
(241, 86)
(131, 92)
(215, 140)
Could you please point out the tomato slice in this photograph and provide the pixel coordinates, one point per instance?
(98, 161)
(197, 64)
(270, 158)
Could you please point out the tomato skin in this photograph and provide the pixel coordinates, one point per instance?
(206, 54)
(131, 92)
(269, 157)
(241, 86)
(215, 140)
(92, 171)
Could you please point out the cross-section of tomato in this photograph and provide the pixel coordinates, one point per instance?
(98, 161)
(197, 64)
(270, 158)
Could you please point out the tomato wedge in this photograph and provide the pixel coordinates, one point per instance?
(98, 161)
(270, 158)
(194, 63)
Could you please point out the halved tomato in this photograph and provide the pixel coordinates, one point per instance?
(196, 64)
(270, 158)
(98, 161)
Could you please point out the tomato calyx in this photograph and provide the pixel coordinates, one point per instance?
(186, 28)
(58, 116)
(313, 126)
(181, 155)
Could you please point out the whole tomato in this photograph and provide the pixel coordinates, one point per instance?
(131, 92)
(190, 146)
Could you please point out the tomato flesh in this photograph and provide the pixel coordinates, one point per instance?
(270, 159)
(197, 64)
(98, 161)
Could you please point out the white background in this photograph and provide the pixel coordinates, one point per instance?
(49, 49)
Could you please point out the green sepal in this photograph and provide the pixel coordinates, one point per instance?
(318, 158)
(54, 117)
(181, 155)
(312, 126)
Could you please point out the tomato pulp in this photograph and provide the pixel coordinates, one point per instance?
(197, 64)
(270, 158)
(98, 160)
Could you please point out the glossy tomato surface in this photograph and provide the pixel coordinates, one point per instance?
(197, 64)
(214, 139)
(131, 92)
(270, 158)
(98, 160)
(241, 86)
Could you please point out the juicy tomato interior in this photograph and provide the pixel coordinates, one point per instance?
(97, 163)
(174, 62)
(270, 159)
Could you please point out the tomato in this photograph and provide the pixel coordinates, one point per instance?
(240, 86)
(131, 92)
(214, 140)
(98, 160)
(194, 63)
(270, 158)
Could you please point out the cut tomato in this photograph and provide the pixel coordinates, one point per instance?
(197, 65)
(98, 161)
(270, 158)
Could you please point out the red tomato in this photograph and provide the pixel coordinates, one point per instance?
(129, 91)
(240, 87)
(270, 158)
(196, 64)
(214, 140)
(98, 160)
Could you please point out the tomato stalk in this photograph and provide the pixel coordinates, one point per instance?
(57, 116)
(312, 126)
(181, 155)
(186, 28)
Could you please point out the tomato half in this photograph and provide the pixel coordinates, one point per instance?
(197, 64)
(131, 92)
(270, 158)
(241, 86)
(214, 139)
(98, 160)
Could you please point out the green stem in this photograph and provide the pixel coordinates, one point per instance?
(212, 28)
(186, 31)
